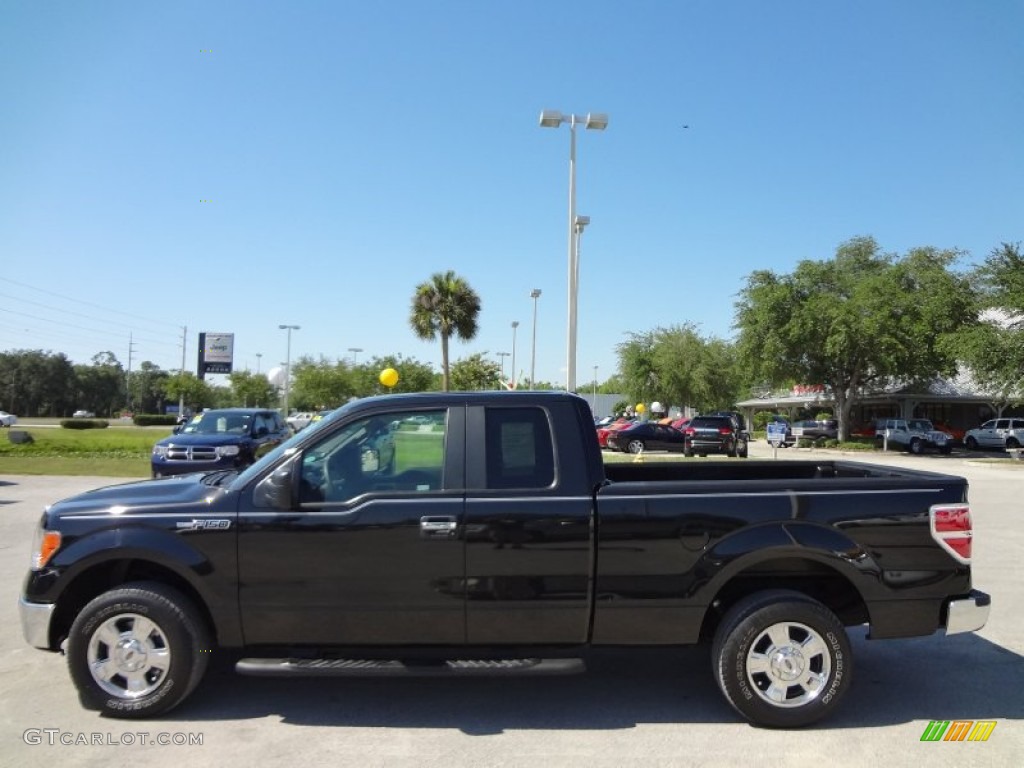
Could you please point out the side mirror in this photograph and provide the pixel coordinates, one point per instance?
(177, 428)
(275, 491)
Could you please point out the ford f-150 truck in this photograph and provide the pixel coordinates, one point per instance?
(480, 533)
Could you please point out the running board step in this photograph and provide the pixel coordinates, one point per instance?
(396, 668)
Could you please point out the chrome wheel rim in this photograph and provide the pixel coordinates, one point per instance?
(788, 664)
(635, 446)
(129, 656)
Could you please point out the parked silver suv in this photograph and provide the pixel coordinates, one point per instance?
(914, 435)
(996, 433)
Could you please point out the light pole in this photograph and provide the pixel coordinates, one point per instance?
(512, 378)
(579, 223)
(593, 406)
(288, 365)
(259, 356)
(551, 118)
(355, 354)
(502, 355)
(534, 294)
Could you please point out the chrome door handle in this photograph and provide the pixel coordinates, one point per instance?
(438, 527)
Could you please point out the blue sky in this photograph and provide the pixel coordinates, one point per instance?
(235, 166)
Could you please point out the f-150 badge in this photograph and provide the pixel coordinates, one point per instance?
(205, 525)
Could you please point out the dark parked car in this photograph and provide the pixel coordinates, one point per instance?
(646, 436)
(714, 434)
(227, 438)
(816, 431)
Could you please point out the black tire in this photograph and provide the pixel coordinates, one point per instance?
(803, 677)
(946, 450)
(744, 451)
(971, 443)
(687, 451)
(1012, 442)
(167, 659)
(916, 447)
(635, 446)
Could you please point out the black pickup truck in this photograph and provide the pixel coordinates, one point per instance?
(480, 533)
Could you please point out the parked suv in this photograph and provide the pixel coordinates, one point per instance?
(914, 435)
(714, 434)
(227, 438)
(996, 433)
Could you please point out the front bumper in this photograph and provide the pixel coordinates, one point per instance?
(967, 614)
(35, 622)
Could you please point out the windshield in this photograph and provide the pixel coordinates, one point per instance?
(920, 425)
(287, 448)
(218, 423)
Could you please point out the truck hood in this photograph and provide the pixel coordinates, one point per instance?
(171, 494)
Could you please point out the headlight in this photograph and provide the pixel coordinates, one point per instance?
(44, 546)
(160, 450)
(227, 450)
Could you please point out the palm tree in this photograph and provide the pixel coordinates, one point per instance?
(444, 306)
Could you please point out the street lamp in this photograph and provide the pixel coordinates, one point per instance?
(512, 378)
(288, 364)
(534, 294)
(593, 407)
(579, 224)
(355, 354)
(259, 356)
(502, 355)
(551, 118)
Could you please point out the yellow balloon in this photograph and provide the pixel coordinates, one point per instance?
(389, 377)
(640, 408)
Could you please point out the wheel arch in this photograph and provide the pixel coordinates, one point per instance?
(820, 577)
(109, 574)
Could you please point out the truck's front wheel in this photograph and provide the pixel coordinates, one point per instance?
(137, 651)
(782, 659)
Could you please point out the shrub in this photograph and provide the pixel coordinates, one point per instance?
(155, 419)
(84, 423)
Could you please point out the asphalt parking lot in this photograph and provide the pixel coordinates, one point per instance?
(654, 707)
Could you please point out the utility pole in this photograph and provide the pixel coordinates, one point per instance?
(181, 394)
(128, 376)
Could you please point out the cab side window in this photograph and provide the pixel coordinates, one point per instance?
(400, 452)
(519, 448)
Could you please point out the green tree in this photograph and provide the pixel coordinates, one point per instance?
(186, 386)
(444, 306)
(856, 321)
(321, 383)
(413, 376)
(679, 366)
(252, 389)
(146, 388)
(37, 383)
(476, 372)
(100, 386)
(994, 349)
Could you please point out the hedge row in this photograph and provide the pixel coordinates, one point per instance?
(84, 423)
(155, 420)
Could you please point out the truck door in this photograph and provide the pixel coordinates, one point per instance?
(371, 552)
(528, 536)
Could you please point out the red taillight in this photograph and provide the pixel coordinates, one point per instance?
(690, 431)
(725, 430)
(952, 529)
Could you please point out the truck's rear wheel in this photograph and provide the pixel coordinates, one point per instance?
(782, 659)
(137, 651)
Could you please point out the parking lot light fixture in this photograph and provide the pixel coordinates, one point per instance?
(594, 121)
(288, 364)
(512, 377)
(534, 294)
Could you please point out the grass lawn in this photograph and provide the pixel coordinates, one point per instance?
(111, 452)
